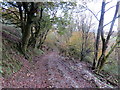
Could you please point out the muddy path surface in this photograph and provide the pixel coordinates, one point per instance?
(48, 71)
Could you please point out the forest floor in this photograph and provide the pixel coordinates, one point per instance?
(49, 71)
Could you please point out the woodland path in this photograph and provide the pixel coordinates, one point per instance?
(48, 71)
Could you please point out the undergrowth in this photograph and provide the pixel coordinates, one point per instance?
(10, 62)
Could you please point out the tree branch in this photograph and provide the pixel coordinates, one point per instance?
(93, 14)
(98, 13)
(106, 10)
(108, 2)
(13, 4)
(10, 23)
(113, 21)
(110, 8)
(101, 26)
(111, 50)
(12, 12)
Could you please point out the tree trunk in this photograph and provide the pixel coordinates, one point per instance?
(38, 30)
(26, 34)
(103, 58)
(26, 37)
(100, 27)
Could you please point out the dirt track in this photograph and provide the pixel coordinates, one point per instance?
(48, 71)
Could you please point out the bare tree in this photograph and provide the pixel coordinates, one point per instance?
(100, 33)
(100, 29)
(86, 24)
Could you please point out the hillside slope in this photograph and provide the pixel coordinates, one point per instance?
(49, 70)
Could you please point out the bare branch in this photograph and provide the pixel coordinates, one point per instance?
(90, 11)
(98, 12)
(113, 21)
(93, 14)
(106, 10)
(108, 2)
(110, 8)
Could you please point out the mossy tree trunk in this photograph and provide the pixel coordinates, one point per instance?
(26, 36)
(26, 17)
(38, 30)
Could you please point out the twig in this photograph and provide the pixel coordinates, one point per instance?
(110, 8)
(108, 2)
(111, 21)
(93, 14)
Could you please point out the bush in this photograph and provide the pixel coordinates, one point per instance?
(74, 52)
